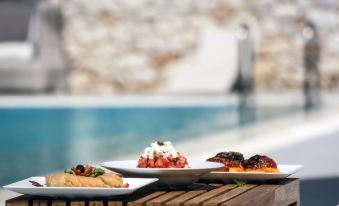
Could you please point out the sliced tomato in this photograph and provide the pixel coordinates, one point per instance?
(89, 170)
(142, 163)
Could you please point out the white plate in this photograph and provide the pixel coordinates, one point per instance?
(285, 171)
(167, 176)
(25, 187)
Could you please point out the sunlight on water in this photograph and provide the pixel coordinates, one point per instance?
(39, 141)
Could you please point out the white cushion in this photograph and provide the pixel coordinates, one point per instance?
(213, 68)
(16, 50)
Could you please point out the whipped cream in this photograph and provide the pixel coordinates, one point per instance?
(165, 148)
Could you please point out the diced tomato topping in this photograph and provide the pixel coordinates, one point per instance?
(142, 163)
(89, 170)
(160, 162)
(151, 163)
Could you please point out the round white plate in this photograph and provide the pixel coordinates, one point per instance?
(166, 176)
(285, 171)
(25, 187)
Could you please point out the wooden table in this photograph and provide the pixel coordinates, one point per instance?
(282, 193)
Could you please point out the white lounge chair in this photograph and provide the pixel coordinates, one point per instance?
(37, 63)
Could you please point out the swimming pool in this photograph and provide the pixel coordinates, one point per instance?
(36, 141)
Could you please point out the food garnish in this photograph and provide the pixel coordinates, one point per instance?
(86, 171)
(161, 154)
(239, 182)
(233, 161)
(36, 184)
(261, 163)
(84, 175)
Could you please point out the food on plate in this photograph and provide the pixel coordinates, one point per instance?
(85, 176)
(36, 184)
(233, 161)
(162, 155)
(261, 163)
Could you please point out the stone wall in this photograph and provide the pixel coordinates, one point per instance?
(118, 46)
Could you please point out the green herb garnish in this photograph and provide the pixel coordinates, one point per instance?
(87, 171)
(98, 171)
(69, 171)
(239, 182)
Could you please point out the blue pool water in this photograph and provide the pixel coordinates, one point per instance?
(37, 141)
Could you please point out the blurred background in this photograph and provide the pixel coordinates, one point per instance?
(85, 81)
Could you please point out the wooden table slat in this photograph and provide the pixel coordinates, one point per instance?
(215, 201)
(161, 200)
(19, 201)
(78, 203)
(142, 201)
(123, 201)
(261, 195)
(179, 201)
(279, 193)
(115, 203)
(204, 186)
(288, 193)
(216, 185)
(59, 203)
(96, 203)
(196, 186)
(206, 196)
(40, 203)
(213, 186)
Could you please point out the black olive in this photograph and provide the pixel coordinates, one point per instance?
(160, 143)
(81, 168)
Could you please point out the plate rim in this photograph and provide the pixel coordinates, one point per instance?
(11, 185)
(104, 164)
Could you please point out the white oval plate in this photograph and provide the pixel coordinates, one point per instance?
(25, 187)
(285, 171)
(167, 176)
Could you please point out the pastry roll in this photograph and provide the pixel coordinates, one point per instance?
(85, 176)
(69, 180)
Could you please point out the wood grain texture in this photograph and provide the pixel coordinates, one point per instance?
(280, 193)
(19, 201)
(208, 195)
(215, 201)
(142, 201)
(258, 196)
(41, 203)
(179, 201)
(161, 200)
(96, 203)
(59, 203)
(204, 186)
(77, 203)
(115, 203)
(196, 186)
(216, 185)
(123, 201)
(288, 193)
